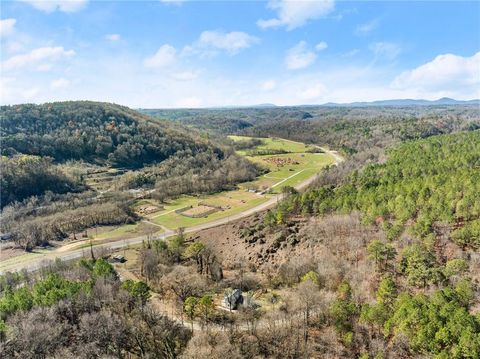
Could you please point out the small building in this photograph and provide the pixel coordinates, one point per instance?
(232, 299)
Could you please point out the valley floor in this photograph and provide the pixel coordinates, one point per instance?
(162, 223)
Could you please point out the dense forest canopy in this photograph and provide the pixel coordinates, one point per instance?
(227, 120)
(94, 132)
(349, 129)
(83, 311)
(24, 176)
(431, 181)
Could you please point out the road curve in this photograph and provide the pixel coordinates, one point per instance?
(43, 259)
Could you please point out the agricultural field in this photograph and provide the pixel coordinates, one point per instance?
(232, 202)
(288, 169)
(273, 144)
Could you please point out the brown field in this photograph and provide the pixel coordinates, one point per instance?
(197, 211)
(145, 209)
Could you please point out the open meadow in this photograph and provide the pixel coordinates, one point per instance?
(288, 169)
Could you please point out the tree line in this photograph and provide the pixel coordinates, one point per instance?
(429, 182)
(82, 310)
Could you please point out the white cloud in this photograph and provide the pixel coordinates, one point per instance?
(14, 46)
(444, 73)
(35, 56)
(189, 102)
(165, 56)
(112, 37)
(268, 85)
(321, 46)
(185, 75)
(44, 67)
(232, 42)
(50, 6)
(7, 27)
(386, 50)
(12, 92)
(368, 27)
(351, 53)
(13, 41)
(299, 56)
(293, 13)
(313, 92)
(59, 84)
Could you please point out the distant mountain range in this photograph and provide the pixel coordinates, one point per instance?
(394, 102)
(406, 102)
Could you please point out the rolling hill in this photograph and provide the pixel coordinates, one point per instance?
(94, 132)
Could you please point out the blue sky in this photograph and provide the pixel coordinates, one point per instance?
(201, 54)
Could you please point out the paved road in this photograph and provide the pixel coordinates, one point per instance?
(42, 260)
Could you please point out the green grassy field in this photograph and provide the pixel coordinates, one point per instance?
(233, 202)
(116, 232)
(26, 257)
(302, 167)
(274, 144)
(288, 169)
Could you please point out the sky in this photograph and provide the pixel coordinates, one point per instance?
(170, 54)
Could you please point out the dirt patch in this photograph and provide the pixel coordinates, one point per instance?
(281, 161)
(199, 211)
(244, 241)
(10, 250)
(145, 209)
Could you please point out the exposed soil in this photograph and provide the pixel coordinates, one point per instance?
(249, 241)
(145, 209)
(198, 211)
(9, 250)
(281, 161)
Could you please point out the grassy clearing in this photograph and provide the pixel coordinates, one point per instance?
(303, 166)
(117, 232)
(26, 257)
(238, 201)
(274, 144)
(285, 170)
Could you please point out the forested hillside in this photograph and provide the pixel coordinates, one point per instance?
(228, 120)
(52, 153)
(348, 129)
(93, 132)
(428, 184)
(83, 311)
(24, 176)
(425, 202)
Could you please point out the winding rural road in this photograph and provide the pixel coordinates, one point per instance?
(66, 255)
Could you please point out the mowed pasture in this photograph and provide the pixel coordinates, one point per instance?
(303, 166)
(232, 202)
(288, 169)
(272, 143)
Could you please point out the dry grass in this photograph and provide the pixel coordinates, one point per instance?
(198, 211)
